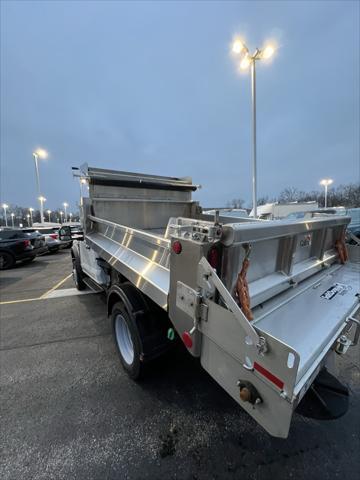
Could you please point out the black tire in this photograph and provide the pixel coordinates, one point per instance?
(28, 260)
(122, 321)
(78, 275)
(6, 260)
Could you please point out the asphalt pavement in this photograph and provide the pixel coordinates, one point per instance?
(68, 410)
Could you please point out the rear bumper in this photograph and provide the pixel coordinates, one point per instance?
(31, 253)
(65, 244)
(53, 244)
(39, 250)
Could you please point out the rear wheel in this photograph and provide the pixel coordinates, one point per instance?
(6, 260)
(78, 275)
(127, 340)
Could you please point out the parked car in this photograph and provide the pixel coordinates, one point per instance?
(51, 236)
(17, 245)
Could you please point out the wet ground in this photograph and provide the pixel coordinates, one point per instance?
(68, 411)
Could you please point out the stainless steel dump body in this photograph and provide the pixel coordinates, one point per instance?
(303, 299)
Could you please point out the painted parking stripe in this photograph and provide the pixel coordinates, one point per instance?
(65, 292)
(52, 293)
(9, 302)
(56, 286)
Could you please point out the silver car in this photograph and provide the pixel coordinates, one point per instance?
(51, 236)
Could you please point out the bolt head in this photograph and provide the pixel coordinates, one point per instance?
(245, 394)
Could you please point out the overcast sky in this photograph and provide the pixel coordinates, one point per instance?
(150, 87)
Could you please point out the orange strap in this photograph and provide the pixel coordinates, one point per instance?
(242, 290)
(340, 246)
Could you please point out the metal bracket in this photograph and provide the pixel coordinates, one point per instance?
(208, 282)
(190, 302)
(187, 300)
(352, 319)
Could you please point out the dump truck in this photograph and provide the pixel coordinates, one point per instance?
(264, 305)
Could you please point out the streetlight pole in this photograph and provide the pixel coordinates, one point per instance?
(326, 182)
(239, 48)
(28, 219)
(49, 213)
(61, 216)
(42, 200)
(65, 207)
(12, 219)
(5, 215)
(31, 217)
(39, 153)
(253, 101)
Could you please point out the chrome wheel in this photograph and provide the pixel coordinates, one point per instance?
(123, 339)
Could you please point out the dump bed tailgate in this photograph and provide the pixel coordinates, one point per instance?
(312, 315)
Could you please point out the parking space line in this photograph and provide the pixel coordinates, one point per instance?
(20, 301)
(56, 286)
(67, 292)
(42, 297)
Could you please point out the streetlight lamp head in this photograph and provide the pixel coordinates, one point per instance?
(42, 199)
(41, 153)
(5, 206)
(83, 181)
(237, 46)
(326, 181)
(61, 213)
(65, 204)
(268, 52)
(48, 211)
(12, 214)
(31, 209)
(245, 62)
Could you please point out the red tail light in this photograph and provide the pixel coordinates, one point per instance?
(214, 257)
(186, 337)
(177, 247)
(54, 235)
(27, 243)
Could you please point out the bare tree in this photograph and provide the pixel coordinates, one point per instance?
(290, 194)
(235, 203)
(344, 195)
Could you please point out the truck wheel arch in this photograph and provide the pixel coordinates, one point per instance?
(129, 295)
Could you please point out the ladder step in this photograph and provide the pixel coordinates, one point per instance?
(93, 285)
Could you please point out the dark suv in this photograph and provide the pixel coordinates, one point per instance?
(16, 245)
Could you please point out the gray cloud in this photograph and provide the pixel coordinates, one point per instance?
(149, 86)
